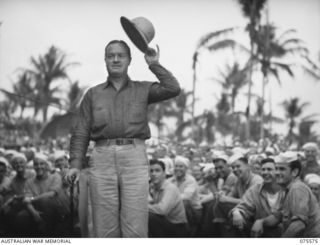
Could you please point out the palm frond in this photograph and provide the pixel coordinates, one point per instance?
(212, 35)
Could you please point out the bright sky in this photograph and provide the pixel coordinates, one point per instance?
(83, 28)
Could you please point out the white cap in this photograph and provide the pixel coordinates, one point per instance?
(312, 179)
(286, 157)
(222, 157)
(183, 160)
(20, 156)
(235, 157)
(208, 167)
(5, 161)
(310, 145)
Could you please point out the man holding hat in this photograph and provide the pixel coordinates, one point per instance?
(114, 115)
(300, 213)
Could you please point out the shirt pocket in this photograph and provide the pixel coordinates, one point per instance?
(137, 112)
(99, 117)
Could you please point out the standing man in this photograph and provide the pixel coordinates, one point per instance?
(114, 115)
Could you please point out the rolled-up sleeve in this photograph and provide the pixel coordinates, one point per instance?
(299, 205)
(166, 204)
(168, 86)
(247, 205)
(81, 132)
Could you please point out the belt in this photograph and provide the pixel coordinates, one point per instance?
(118, 141)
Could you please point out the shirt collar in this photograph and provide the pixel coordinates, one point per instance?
(128, 82)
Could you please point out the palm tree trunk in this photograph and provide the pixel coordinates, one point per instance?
(193, 96)
(264, 82)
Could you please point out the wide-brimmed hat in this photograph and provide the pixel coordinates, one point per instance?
(140, 31)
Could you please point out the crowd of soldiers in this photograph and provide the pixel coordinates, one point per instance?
(194, 192)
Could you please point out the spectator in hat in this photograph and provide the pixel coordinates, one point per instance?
(167, 216)
(162, 155)
(16, 190)
(225, 203)
(258, 202)
(224, 172)
(300, 214)
(4, 180)
(40, 217)
(311, 165)
(189, 191)
(197, 173)
(313, 181)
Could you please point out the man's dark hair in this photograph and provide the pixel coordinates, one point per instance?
(296, 164)
(263, 161)
(215, 160)
(160, 163)
(118, 41)
(244, 160)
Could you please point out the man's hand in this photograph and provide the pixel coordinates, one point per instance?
(151, 56)
(237, 219)
(257, 228)
(73, 175)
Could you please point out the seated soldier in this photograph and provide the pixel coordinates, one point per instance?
(4, 189)
(16, 190)
(300, 215)
(224, 172)
(167, 217)
(189, 191)
(259, 202)
(224, 203)
(313, 181)
(198, 174)
(310, 164)
(40, 217)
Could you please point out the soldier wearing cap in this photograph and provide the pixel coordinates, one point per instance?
(311, 165)
(114, 115)
(300, 213)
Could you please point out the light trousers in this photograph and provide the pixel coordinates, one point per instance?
(118, 181)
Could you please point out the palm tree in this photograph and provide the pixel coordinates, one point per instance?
(159, 111)
(47, 69)
(293, 109)
(252, 10)
(205, 44)
(24, 91)
(74, 96)
(273, 53)
(232, 80)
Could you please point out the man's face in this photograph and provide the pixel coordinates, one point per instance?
(157, 174)
(40, 167)
(268, 172)
(197, 173)
(117, 59)
(240, 169)
(283, 174)
(196, 160)
(315, 188)
(310, 154)
(180, 169)
(61, 163)
(221, 168)
(256, 168)
(19, 165)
